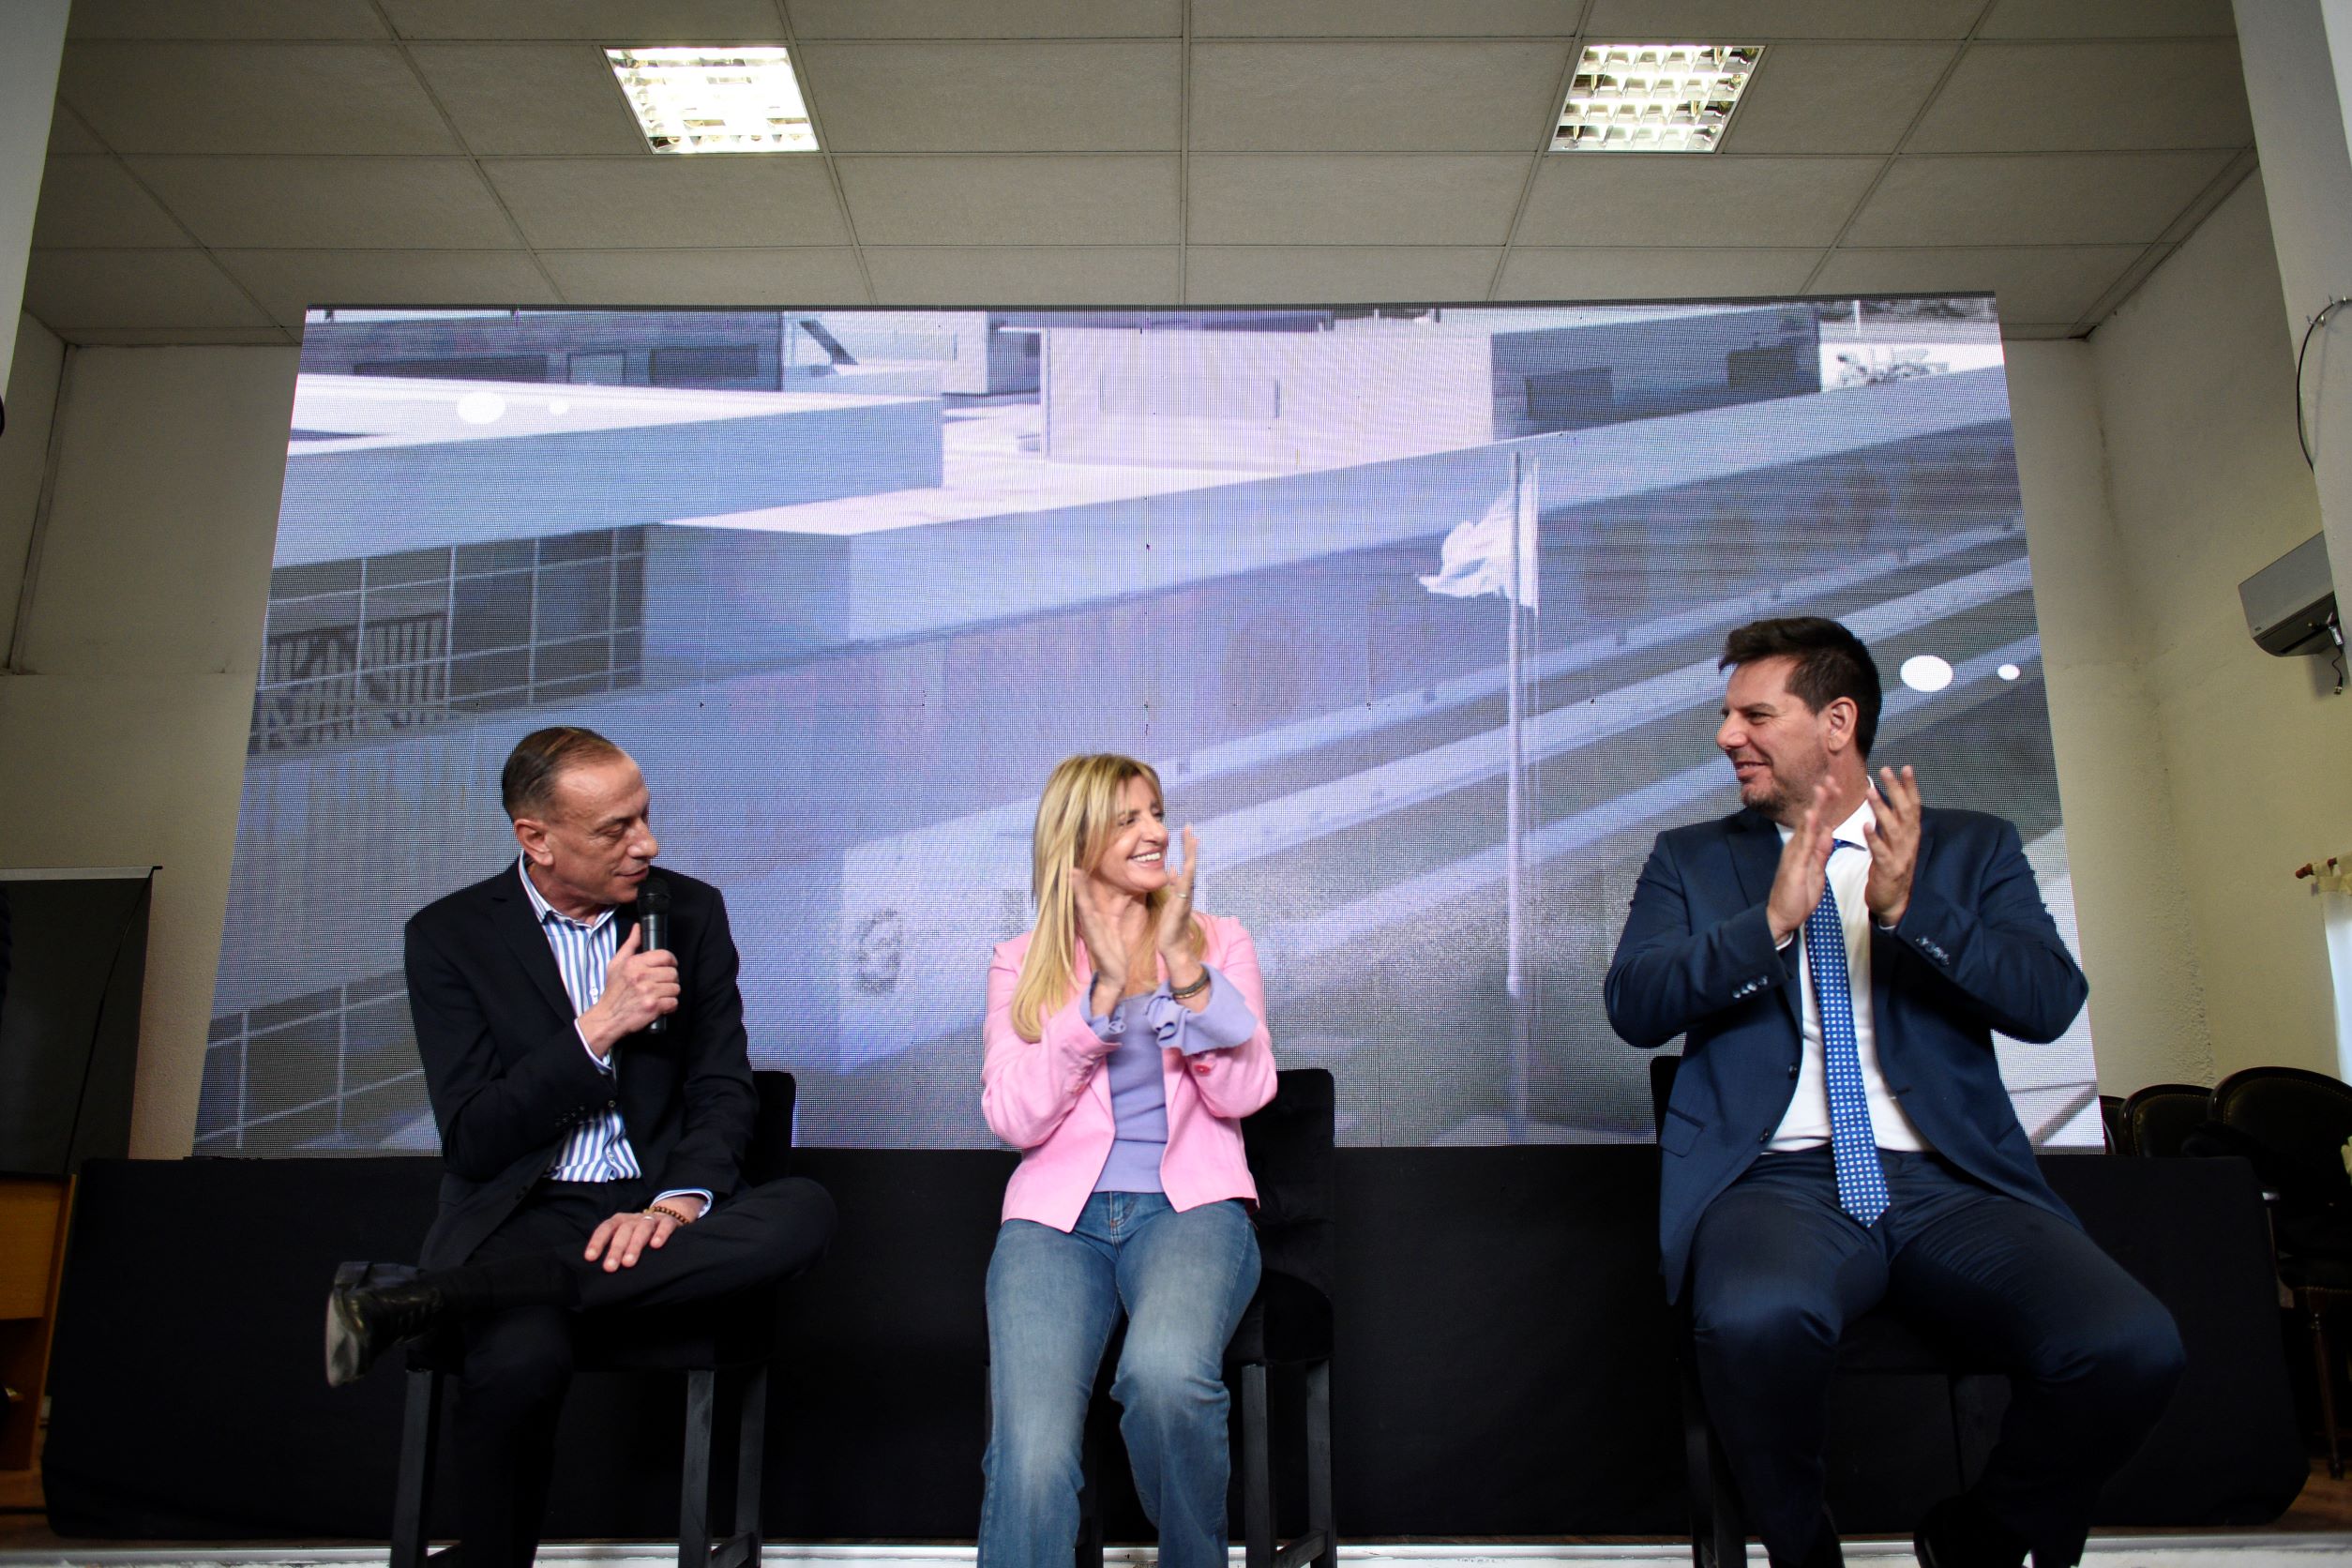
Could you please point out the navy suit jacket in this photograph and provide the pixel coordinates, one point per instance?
(509, 1080)
(1975, 951)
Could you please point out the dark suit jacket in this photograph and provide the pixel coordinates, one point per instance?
(509, 1078)
(1975, 951)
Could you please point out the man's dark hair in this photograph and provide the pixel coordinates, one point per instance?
(528, 781)
(1831, 663)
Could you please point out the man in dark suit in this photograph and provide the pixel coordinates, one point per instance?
(592, 1157)
(1835, 957)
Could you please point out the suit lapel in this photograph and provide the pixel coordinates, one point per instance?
(1755, 843)
(519, 928)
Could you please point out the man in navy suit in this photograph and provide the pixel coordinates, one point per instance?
(1836, 956)
(593, 1159)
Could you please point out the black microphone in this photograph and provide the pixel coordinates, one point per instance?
(653, 930)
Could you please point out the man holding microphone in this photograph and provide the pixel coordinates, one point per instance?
(594, 1096)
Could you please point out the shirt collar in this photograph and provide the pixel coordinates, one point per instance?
(1848, 832)
(545, 911)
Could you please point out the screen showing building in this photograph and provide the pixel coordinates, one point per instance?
(1416, 612)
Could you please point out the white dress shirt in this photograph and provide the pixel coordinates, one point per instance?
(1807, 1123)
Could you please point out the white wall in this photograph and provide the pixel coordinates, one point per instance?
(122, 728)
(32, 400)
(2148, 1019)
(2205, 486)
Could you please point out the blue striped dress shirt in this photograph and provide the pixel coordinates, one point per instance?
(598, 1148)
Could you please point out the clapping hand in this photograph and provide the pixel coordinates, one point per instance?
(1172, 935)
(1104, 945)
(1893, 843)
(1803, 868)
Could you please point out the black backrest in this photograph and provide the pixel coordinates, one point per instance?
(2302, 1117)
(1290, 1145)
(2159, 1116)
(2114, 1124)
(1662, 1071)
(769, 1152)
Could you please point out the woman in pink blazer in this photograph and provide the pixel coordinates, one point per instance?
(1126, 1039)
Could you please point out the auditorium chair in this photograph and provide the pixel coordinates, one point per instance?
(724, 1355)
(2113, 1126)
(1878, 1343)
(2159, 1117)
(1287, 1323)
(2302, 1120)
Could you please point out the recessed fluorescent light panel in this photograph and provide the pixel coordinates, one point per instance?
(716, 100)
(1653, 97)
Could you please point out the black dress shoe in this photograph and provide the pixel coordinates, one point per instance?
(1958, 1532)
(372, 1307)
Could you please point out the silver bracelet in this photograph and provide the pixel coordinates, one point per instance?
(1195, 989)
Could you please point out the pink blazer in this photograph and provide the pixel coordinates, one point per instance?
(1050, 1097)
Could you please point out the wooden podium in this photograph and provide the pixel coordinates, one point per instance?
(33, 1211)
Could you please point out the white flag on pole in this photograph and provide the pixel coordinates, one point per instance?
(1476, 556)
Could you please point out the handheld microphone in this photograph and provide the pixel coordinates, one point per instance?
(653, 930)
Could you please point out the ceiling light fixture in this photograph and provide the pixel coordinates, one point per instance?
(716, 100)
(1653, 97)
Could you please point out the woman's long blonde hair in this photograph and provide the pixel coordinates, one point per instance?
(1076, 818)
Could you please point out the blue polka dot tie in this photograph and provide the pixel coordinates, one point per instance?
(1861, 1185)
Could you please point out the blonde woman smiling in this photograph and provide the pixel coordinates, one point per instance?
(1126, 1039)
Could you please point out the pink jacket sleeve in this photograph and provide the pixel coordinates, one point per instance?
(1026, 1087)
(1238, 1079)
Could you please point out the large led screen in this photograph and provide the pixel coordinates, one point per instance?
(1415, 610)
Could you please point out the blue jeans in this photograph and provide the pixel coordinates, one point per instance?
(1183, 1279)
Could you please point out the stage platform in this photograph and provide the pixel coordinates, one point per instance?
(2255, 1549)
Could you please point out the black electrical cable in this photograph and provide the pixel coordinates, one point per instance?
(2302, 438)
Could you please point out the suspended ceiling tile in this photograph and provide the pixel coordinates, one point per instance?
(68, 138)
(95, 201)
(70, 291)
(1608, 273)
(1385, 97)
(2101, 19)
(1052, 97)
(987, 18)
(1693, 199)
(2034, 284)
(1336, 274)
(223, 18)
(1024, 275)
(1364, 200)
(596, 203)
(1009, 200)
(2055, 199)
(812, 275)
(1308, 19)
(251, 98)
(1836, 98)
(530, 97)
(2089, 97)
(330, 203)
(1745, 21)
(287, 282)
(645, 21)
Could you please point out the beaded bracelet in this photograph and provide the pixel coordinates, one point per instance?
(675, 1216)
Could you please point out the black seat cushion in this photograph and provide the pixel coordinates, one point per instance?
(736, 1332)
(1884, 1341)
(1288, 1320)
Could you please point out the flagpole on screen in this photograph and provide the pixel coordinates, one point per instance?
(1514, 973)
